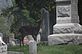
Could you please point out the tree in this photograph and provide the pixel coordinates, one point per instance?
(5, 19)
(27, 14)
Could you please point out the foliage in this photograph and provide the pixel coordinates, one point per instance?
(6, 19)
(35, 6)
(5, 24)
(24, 12)
(28, 12)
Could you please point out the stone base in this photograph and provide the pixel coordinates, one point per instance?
(65, 39)
(67, 28)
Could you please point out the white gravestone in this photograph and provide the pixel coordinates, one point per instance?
(67, 29)
(38, 38)
(32, 45)
(3, 46)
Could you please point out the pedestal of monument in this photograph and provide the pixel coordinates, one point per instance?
(67, 29)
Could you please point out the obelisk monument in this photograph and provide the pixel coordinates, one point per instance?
(67, 28)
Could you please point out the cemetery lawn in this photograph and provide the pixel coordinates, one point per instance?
(56, 49)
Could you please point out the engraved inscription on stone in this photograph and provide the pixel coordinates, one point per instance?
(64, 11)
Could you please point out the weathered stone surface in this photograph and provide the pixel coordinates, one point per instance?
(67, 11)
(67, 17)
(65, 39)
(63, 11)
(3, 49)
(32, 47)
(45, 24)
(67, 28)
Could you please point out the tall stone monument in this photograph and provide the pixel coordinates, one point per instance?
(67, 29)
(45, 24)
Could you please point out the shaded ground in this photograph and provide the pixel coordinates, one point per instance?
(57, 49)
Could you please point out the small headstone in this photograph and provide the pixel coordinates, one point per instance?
(32, 45)
(39, 36)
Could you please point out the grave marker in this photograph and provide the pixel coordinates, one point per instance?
(67, 28)
(45, 24)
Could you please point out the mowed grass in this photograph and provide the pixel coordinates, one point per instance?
(56, 49)
(19, 49)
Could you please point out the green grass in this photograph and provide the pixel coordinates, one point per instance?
(19, 49)
(57, 49)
